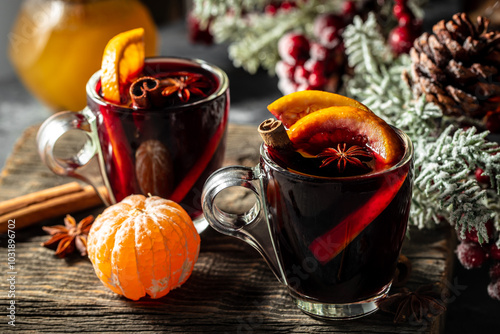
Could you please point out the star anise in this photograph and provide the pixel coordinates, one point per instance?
(68, 236)
(185, 84)
(424, 303)
(344, 157)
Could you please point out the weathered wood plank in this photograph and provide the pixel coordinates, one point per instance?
(231, 289)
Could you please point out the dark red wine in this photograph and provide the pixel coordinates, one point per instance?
(339, 237)
(167, 151)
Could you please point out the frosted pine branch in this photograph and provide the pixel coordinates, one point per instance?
(259, 47)
(445, 170)
(445, 158)
(252, 34)
(207, 9)
(363, 38)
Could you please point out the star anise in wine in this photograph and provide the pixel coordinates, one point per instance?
(67, 237)
(185, 84)
(424, 303)
(343, 156)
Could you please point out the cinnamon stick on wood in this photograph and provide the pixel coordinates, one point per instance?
(48, 203)
(37, 197)
(274, 134)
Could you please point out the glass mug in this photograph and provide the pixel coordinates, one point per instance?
(333, 241)
(168, 151)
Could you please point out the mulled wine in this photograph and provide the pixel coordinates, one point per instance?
(165, 148)
(333, 191)
(339, 235)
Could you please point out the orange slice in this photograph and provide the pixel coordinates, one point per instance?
(329, 126)
(292, 107)
(122, 61)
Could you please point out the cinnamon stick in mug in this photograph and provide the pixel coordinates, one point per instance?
(274, 134)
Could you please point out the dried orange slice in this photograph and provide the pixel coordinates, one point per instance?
(122, 61)
(292, 107)
(346, 124)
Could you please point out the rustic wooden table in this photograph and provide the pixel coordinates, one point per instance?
(231, 289)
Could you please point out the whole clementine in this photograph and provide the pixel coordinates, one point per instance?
(143, 245)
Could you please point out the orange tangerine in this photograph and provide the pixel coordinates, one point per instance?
(122, 61)
(292, 107)
(143, 245)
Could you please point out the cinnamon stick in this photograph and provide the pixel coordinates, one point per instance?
(274, 134)
(49, 203)
(37, 197)
(145, 92)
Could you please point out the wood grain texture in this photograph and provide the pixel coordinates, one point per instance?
(231, 289)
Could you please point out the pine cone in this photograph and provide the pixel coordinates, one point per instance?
(457, 66)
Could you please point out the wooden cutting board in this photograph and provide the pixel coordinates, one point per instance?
(231, 289)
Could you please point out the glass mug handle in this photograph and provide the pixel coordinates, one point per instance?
(52, 130)
(251, 226)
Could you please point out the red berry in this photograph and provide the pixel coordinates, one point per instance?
(401, 39)
(271, 9)
(494, 289)
(314, 66)
(285, 70)
(301, 75)
(317, 80)
(318, 51)
(480, 177)
(405, 20)
(398, 10)
(293, 47)
(495, 253)
(330, 37)
(471, 235)
(492, 121)
(495, 271)
(287, 5)
(349, 8)
(490, 229)
(327, 20)
(470, 255)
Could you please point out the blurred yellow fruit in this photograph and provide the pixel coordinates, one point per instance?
(56, 46)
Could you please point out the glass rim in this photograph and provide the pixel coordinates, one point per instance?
(405, 159)
(215, 70)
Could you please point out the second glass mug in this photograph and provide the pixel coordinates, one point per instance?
(333, 241)
(168, 151)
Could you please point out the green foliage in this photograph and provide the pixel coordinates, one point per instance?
(207, 9)
(445, 156)
(252, 34)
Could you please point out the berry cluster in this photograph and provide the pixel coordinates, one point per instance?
(472, 254)
(318, 62)
(275, 6)
(401, 37)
